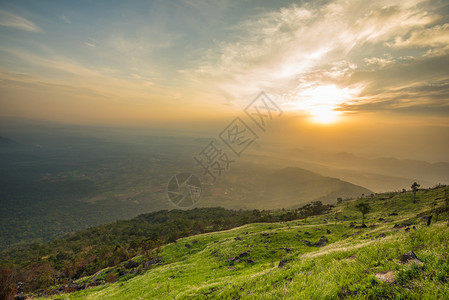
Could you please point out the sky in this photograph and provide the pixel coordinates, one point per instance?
(338, 64)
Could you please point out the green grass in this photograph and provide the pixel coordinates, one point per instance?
(343, 269)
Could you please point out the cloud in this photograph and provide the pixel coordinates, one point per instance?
(407, 86)
(65, 19)
(10, 20)
(378, 61)
(90, 44)
(428, 37)
(297, 48)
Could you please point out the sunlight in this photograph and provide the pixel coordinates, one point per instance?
(324, 115)
(324, 99)
(321, 102)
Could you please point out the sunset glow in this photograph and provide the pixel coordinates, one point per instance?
(136, 135)
(176, 64)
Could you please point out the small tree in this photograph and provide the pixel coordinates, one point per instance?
(306, 210)
(446, 201)
(415, 187)
(364, 208)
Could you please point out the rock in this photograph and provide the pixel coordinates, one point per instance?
(75, 287)
(386, 276)
(428, 219)
(194, 241)
(265, 234)
(393, 214)
(306, 233)
(237, 238)
(19, 287)
(322, 242)
(131, 264)
(151, 262)
(244, 254)
(154, 261)
(328, 231)
(409, 258)
(20, 296)
(307, 242)
(380, 235)
(397, 226)
(352, 257)
(250, 261)
(381, 219)
(188, 246)
(282, 263)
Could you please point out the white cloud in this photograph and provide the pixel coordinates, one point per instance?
(279, 52)
(428, 37)
(377, 61)
(65, 19)
(90, 44)
(10, 20)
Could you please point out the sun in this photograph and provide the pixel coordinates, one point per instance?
(324, 115)
(321, 102)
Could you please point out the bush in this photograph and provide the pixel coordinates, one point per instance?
(111, 277)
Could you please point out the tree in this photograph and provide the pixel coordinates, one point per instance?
(364, 208)
(446, 201)
(415, 187)
(306, 210)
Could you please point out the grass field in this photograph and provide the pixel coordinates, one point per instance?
(244, 263)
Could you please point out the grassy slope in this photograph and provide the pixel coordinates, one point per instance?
(328, 272)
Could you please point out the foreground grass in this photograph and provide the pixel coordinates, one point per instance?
(343, 269)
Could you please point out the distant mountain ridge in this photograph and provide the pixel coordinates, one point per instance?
(5, 142)
(401, 168)
(378, 174)
(289, 187)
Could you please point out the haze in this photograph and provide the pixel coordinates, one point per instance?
(371, 77)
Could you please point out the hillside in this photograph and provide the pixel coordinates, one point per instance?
(329, 256)
(72, 181)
